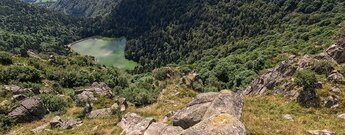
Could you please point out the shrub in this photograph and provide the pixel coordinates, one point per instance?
(19, 74)
(323, 67)
(161, 73)
(306, 78)
(5, 58)
(142, 92)
(54, 103)
(5, 123)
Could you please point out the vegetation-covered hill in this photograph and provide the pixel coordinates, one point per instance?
(85, 8)
(184, 47)
(24, 26)
(228, 42)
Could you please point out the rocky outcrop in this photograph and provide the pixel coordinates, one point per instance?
(17, 90)
(208, 113)
(189, 79)
(28, 110)
(86, 95)
(280, 75)
(337, 52)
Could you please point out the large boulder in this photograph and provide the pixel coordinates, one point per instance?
(100, 113)
(206, 105)
(133, 124)
(28, 110)
(219, 124)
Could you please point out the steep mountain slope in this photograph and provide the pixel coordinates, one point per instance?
(24, 26)
(229, 42)
(87, 8)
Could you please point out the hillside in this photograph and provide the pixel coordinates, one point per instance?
(85, 8)
(228, 42)
(28, 27)
(206, 67)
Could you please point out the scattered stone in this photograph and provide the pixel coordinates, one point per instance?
(29, 109)
(341, 116)
(40, 128)
(69, 123)
(320, 132)
(123, 104)
(335, 77)
(95, 128)
(84, 97)
(115, 108)
(55, 122)
(288, 117)
(335, 90)
(100, 113)
(330, 101)
(224, 124)
(17, 90)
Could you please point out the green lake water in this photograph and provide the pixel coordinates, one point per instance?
(107, 51)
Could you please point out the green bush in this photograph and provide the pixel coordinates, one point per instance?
(142, 92)
(305, 78)
(161, 73)
(5, 123)
(5, 58)
(19, 74)
(54, 103)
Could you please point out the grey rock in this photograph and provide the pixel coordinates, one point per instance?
(17, 90)
(40, 128)
(191, 115)
(288, 117)
(123, 104)
(141, 127)
(172, 130)
(129, 120)
(336, 77)
(84, 97)
(55, 122)
(155, 129)
(69, 123)
(341, 116)
(100, 113)
(335, 90)
(29, 109)
(18, 97)
(208, 104)
(330, 101)
(224, 124)
(320, 132)
(337, 52)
